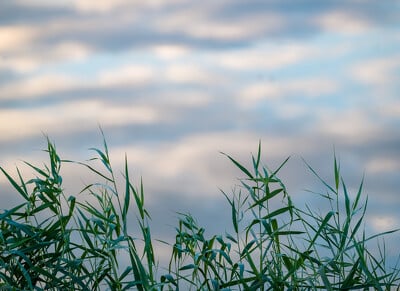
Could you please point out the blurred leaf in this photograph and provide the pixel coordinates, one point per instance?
(188, 267)
(324, 278)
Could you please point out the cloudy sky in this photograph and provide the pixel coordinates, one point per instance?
(173, 83)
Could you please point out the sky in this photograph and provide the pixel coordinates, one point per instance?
(174, 83)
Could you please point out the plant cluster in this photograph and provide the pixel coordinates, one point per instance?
(55, 241)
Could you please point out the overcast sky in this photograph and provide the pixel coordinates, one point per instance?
(174, 84)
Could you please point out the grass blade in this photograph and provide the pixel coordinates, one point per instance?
(241, 167)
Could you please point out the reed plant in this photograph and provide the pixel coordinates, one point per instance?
(56, 241)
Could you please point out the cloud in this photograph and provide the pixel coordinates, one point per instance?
(23, 48)
(191, 23)
(194, 163)
(125, 75)
(100, 6)
(390, 109)
(208, 24)
(350, 126)
(107, 6)
(70, 51)
(85, 7)
(58, 31)
(20, 64)
(15, 37)
(257, 92)
(170, 51)
(381, 71)
(343, 22)
(191, 73)
(192, 166)
(37, 85)
(192, 98)
(265, 58)
(383, 223)
(74, 116)
(22, 55)
(383, 165)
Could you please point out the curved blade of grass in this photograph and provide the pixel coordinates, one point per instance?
(10, 212)
(336, 169)
(241, 167)
(325, 280)
(95, 171)
(321, 227)
(127, 196)
(280, 167)
(104, 158)
(267, 197)
(319, 178)
(21, 190)
(256, 162)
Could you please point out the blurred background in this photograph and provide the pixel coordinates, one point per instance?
(173, 83)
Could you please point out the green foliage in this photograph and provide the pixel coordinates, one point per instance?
(52, 241)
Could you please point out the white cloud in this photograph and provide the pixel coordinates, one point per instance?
(383, 223)
(16, 37)
(70, 117)
(305, 88)
(107, 6)
(32, 56)
(342, 22)
(185, 98)
(126, 75)
(389, 109)
(170, 51)
(254, 93)
(292, 111)
(70, 51)
(265, 58)
(37, 85)
(102, 6)
(383, 165)
(350, 126)
(191, 73)
(90, 6)
(193, 164)
(194, 20)
(382, 71)
(19, 63)
(188, 154)
(312, 87)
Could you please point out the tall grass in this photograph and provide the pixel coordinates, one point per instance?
(55, 241)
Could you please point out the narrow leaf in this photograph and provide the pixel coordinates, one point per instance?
(242, 168)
